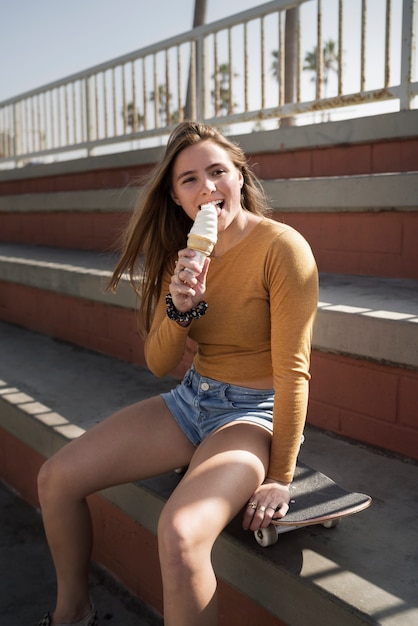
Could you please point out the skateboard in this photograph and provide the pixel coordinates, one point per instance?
(314, 499)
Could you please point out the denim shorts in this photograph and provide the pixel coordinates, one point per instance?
(201, 405)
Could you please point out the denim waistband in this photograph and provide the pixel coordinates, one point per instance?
(210, 386)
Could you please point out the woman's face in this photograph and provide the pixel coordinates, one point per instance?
(205, 173)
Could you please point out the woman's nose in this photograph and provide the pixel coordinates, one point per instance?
(208, 185)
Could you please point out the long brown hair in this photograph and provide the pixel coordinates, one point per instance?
(158, 227)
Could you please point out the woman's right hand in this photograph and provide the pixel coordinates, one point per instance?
(186, 287)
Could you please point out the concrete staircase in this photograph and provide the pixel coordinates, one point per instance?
(352, 189)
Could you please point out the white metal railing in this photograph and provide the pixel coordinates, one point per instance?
(250, 69)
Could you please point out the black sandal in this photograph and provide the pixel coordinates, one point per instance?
(90, 620)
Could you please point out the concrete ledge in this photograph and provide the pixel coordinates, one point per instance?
(97, 200)
(372, 192)
(368, 193)
(77, 273)
(368, 317)
(365, 317)
(312, 576)
(390, 126)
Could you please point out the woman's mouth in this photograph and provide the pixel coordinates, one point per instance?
(218, 204)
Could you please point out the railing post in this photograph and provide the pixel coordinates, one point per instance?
(16, 130)
(200, 105)
(203, 82)
(409, 9)
(207, 81)
(90, 107)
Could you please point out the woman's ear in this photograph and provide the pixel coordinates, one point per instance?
(174, 197)
(240, 178)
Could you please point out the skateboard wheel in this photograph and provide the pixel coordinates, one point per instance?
(332, 523)
(266, 536)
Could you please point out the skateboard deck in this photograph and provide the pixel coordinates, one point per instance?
(314, 499)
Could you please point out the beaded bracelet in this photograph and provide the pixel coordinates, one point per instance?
(187, 316)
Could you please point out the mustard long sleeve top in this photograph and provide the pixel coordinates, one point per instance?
(262, 296)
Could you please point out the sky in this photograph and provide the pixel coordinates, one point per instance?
(45, 40)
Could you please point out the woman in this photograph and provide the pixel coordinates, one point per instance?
(237, 418)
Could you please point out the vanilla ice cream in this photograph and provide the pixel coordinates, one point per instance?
(204, 232)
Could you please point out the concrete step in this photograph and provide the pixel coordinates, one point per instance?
(375, 144)
(366, 317)
(370, 193)
(363, 572)
(365, 224)
(364, 361)
(367, 193)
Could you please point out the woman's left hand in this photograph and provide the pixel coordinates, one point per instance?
(271, 499)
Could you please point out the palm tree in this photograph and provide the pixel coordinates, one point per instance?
(130, 117)
(330, 62)
(275, 64)
(164, 99)
(221, 95)
(166, 117)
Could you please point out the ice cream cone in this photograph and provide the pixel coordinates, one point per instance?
(200, 243)
(204, 233)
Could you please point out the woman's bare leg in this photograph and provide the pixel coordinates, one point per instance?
(225, 470)
(137, 442)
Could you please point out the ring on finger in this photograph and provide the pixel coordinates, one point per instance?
(262, 508)
(253, 505)
(271, 507)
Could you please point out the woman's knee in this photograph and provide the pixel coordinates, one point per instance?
(180, 538)
(53, 480)
(171, 531)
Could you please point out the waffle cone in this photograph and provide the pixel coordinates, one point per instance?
(199, 243)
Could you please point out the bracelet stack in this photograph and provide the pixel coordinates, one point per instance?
(188, 316)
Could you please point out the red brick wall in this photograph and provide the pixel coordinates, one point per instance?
(366, 401)
(111, 330)
(342, 160)
(380, 243)
(81, 181)
(108, 329)
(373, 244)
(78, 231)
(351, 159)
